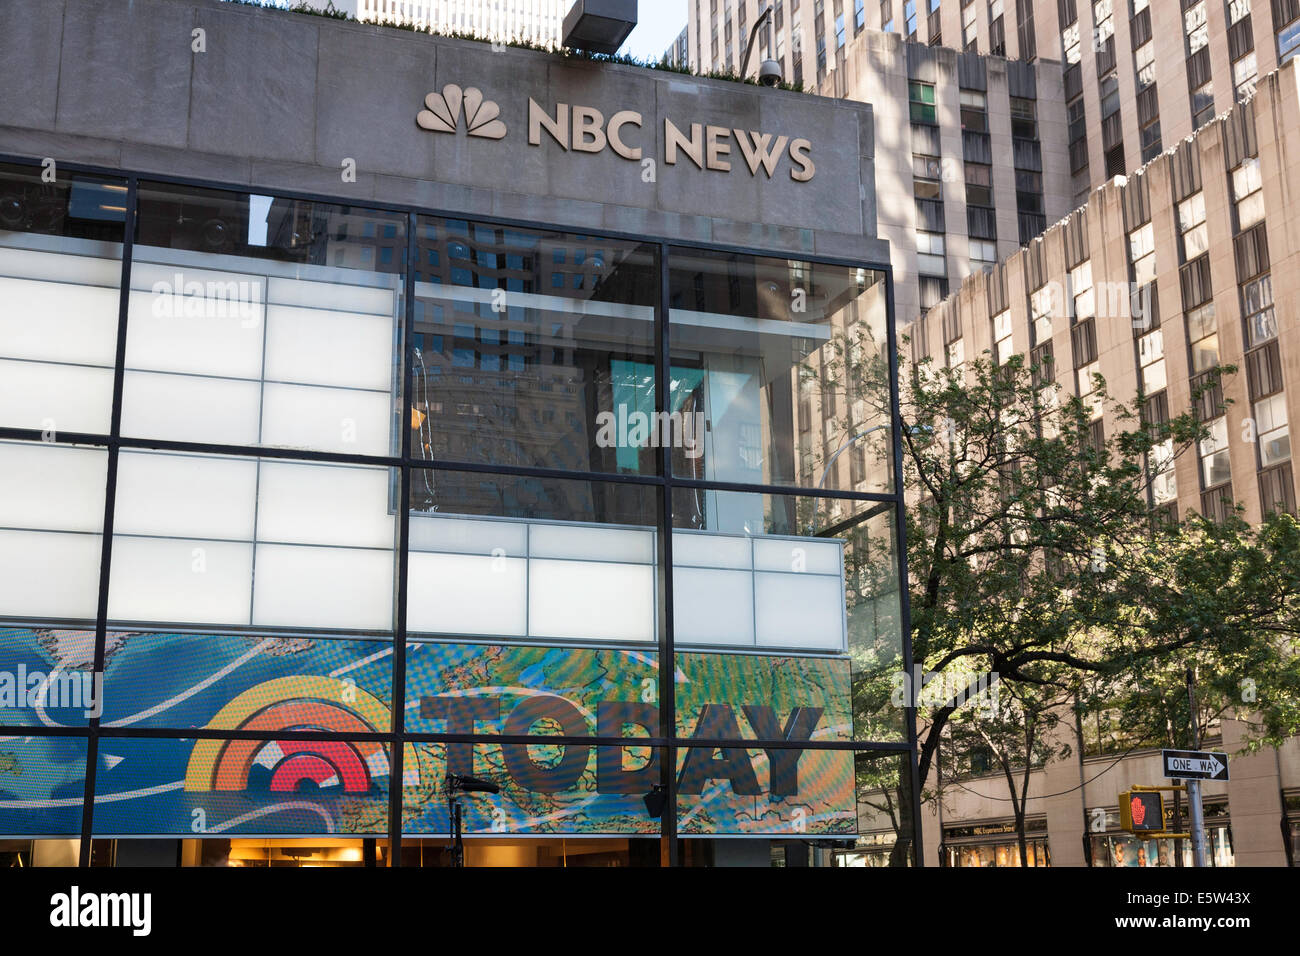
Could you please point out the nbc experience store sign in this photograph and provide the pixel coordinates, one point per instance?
(584, 129)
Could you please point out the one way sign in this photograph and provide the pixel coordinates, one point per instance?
(1195, 765)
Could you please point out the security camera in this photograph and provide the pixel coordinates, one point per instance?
(769, 73)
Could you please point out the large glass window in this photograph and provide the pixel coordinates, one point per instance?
(261, 321)
(532, 348)
(784, 364)
(60, 272)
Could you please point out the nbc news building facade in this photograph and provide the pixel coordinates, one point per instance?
(377, 407)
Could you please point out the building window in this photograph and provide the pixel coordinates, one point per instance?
(1192, 227)
(1144, 62)
(1085, 305)
(859, 15)
(968, 28)
(1271, 426)
(1257, 308)
(997, 30)
(974, 111)
(933, 290)
(1040, 315)
(929, 254)
(1244, 73)
(1103, 23)
(979, 184)
(887, 16)
(1196, 27)
(983, 254)
(1247, 194)
(1151, 361)
(1108, 91)
(1288, 42)
(955, 352)
(1203, 334)
(1237, 9)
(1216, 468)
(1142, 254)
(921, 99)
(1070, 49)
(1164, 482)
(1002, 337)
(1203, 104)
(1086, 380)
(1024, 118)
(909, 18)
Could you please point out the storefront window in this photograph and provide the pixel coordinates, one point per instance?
(997, 845)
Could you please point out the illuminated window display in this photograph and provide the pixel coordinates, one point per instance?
(346, 499)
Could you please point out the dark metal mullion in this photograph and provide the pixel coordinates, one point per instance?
(669, 854)
(905, 604)
(106, 540)
(405, 403)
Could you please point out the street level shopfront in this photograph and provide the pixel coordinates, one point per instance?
(421, 410)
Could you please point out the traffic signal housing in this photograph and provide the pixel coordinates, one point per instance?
(1142, 811)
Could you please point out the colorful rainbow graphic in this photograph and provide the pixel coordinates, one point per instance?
(290, 765)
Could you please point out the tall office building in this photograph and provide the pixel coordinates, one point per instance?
(947, 207)
(1161, 277)
(1138, 77)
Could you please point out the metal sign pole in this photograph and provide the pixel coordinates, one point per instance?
(1193, 784)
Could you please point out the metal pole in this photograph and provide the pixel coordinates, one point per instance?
(1194, 786)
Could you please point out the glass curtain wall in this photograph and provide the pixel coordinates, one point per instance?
(305, 507)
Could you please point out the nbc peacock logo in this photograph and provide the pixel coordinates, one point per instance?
(289, 765)
(444, 109)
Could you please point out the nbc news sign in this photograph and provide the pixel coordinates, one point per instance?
(585, 129)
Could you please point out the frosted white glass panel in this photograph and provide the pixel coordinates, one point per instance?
(190, 408)
(591, 544)
(185, 496)
(582, 599)
(325, 347)
(49, 574)
(804, 554)
(327, 419)
(713, 606)
(66, 398)
(467, 594)
(174, 580)
(58, 321)
(466, 535)
(331, 295)
(803, 611)
(197, 334)
(322, 504)
(711, 550)
(323, 587)
(52, 487)
(49, 266)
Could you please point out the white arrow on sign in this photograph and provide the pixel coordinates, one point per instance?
(1210, 765)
